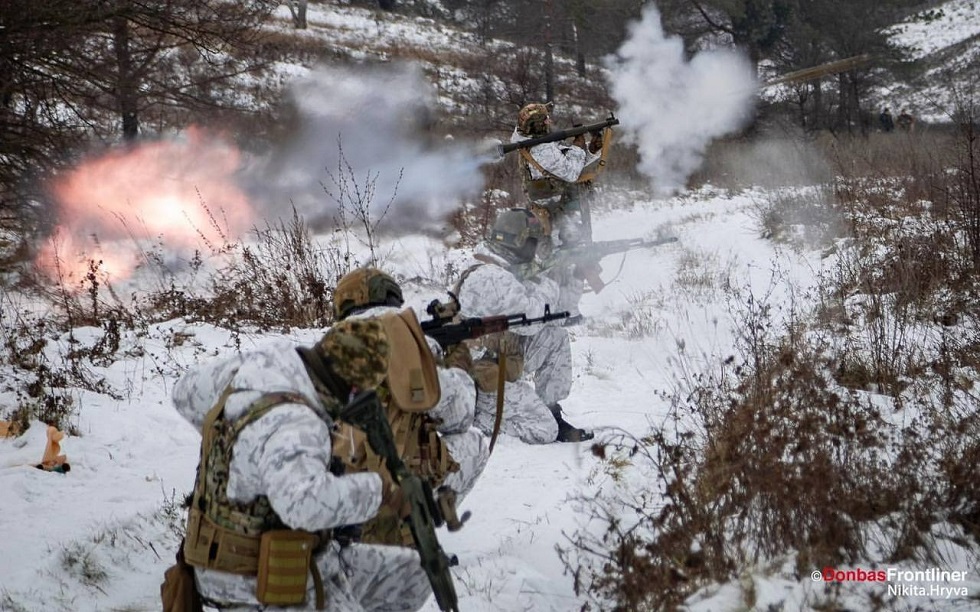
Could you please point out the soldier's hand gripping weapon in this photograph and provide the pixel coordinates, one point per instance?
(365, 412)
(592, 128)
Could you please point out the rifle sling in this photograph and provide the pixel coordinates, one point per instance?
(526, 154)
(589, 175)
(501, 379)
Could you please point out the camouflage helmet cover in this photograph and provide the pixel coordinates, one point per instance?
(365, 287)
(531, 119)
(358, 351)
(514, 228)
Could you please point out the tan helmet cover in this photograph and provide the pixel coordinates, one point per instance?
(531, 119)
(363, 287)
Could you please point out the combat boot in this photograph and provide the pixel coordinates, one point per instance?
(566, 431)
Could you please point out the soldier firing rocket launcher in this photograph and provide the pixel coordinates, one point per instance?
(592, 128)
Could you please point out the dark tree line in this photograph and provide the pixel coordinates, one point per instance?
(74, 71)
(779, 36)
(783, 36)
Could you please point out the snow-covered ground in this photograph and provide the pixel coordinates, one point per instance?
(945, 36)
(99, 538)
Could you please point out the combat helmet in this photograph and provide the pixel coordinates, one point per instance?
(532, 120)
(518, 232)
(363, 288)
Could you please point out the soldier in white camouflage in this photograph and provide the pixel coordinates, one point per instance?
(557, 179)
(538, 357)
(551, 173)
(268, 467)
(367, 293)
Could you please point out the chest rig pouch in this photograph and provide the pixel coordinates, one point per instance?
(548, 187)
(248, 539)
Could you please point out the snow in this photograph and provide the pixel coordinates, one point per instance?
(100, 536)
(944, 26)
(133, 454)
(943, 36)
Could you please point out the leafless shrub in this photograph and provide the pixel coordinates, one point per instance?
(800, 217)
(700, 275)
(644, 316)
(282, 280)
(763, 456)
(46, 363)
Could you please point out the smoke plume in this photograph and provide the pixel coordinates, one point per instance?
(362, 138)
(370, 128)
(672, 108)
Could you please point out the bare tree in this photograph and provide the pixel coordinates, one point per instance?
(165, 58)
(36, 127)
(297, 8)
(73, 70)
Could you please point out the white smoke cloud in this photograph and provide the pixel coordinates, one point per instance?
(378, 120)
(671, 108)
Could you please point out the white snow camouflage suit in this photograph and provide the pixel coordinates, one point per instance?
(563, 163)
(457, 410)
(284, 455)
(492, 289)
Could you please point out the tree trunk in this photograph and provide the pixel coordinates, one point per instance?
(126, 86)
(818, 120)
(298, 10)
(549, 59)
(579, 54)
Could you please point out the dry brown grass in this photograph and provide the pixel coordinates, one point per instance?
(781, 451)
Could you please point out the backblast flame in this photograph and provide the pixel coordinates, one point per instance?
(181, 194)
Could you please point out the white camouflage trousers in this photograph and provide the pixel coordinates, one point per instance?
(548, 363)
(470, 449)
(525, 415)
(548, 367)
(356, 578)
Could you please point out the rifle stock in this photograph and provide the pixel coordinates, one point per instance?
(504, 149)
(365, 412)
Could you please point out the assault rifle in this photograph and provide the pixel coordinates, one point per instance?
(587, 256)
(504, 149)
(366, 413)
(449, 334)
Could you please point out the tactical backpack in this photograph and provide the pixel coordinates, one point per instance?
(408, 393)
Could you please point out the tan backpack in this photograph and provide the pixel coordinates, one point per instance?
(409, 392)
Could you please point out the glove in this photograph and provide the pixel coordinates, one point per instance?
(393, 500)
(458, 357)
(579, 141)
(595, 144)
